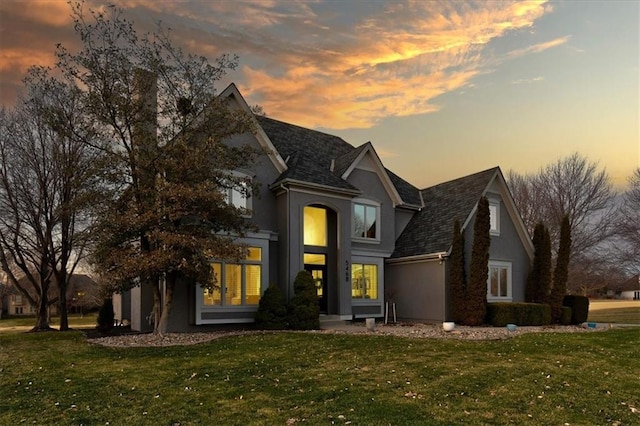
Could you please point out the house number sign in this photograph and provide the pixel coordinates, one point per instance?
(346, 271)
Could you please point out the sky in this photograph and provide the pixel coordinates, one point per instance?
(442, 89)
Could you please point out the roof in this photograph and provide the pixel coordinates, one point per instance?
(430, 230)
(632, 284)
(322, 159)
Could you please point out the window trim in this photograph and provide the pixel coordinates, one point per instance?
(248, 200)
(366, 260)
(366, 203)
(509, 267)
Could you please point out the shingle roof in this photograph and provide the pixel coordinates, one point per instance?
(309, 155)
(430, 230)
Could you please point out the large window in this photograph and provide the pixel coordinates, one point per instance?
(364, 281)
(365, 221)
(237, 284)
(315, 226)
(499, 282)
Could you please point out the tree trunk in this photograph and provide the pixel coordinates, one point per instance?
(157, 306)
(170, 285)
(42, 312)
(62, 308)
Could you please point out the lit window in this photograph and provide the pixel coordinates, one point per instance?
(364, 281)
(236, 284)
(499, 282)
(494, 214)
(365, 221)
(315, 226)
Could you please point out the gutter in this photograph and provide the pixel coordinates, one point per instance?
(438, 256)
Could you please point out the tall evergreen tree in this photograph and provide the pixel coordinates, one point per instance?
(561, 271)
(457, 276)
(304, 309)
(479, 270)
(539, 281)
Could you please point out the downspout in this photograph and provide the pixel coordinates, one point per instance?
(288, 248)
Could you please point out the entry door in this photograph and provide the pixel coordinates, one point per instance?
(319, 274)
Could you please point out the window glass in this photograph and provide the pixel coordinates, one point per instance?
(253, 284)
(315, 226)
(364, 281)
(236, 284)
(494, 218)
(365, 221)
(233, 284)
(499, 282)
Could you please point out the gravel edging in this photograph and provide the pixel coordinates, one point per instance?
(401, 330)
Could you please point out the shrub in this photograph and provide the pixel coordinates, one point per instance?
(457, 279)
(579, 308)
(565, 318)
(539, 281)
(503, 313)
(304, 310)
(561, 272)
(106, 316)
(476, 309)
(272, 310)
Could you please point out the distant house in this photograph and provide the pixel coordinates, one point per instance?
(630, 289)
(81, 295)
(361, 230)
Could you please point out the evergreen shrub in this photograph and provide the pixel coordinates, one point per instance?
(106, 316)
(503, 313)
(304, 309)
(565, 318)
(272, 310)
(579, 308)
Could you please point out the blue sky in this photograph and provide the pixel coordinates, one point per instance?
(442, 89)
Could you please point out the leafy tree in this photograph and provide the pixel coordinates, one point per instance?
(272, 310)
(304, 309)
(106, 316)
(457, 276)
(169, 169)
(539, 281)
(46, 186)
(479, 269)
(561, 271)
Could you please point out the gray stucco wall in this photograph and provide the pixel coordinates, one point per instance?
(418, 289)
(506, 247)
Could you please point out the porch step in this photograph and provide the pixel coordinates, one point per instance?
(331, 321)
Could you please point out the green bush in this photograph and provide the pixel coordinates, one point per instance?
(106, 316)
(565, 318)
(272, 310)
(304, 309)
(503, 313)
(579, 308)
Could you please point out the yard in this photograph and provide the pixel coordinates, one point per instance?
(323, 378)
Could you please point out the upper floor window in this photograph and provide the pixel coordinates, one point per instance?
(494, 214)
(237, 192)
(366, 221)
(315, 226)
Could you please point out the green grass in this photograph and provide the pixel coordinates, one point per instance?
(616, 315)
(579, 378)
(75, 321)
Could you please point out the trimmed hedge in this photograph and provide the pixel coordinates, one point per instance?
(272, 310)
(503, 313)
(579, 308)
(565, 317)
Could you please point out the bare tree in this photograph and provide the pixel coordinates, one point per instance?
(629, 224)
(574, 187)
(46, 171)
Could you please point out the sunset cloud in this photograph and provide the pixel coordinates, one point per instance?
(304, 62)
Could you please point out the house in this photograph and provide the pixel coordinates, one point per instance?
(82, 293)
(630, 289)
(335, 210)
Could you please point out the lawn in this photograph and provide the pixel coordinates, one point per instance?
(16, 323)
(319, 378)
(615, 311)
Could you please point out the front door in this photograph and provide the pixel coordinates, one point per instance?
(317, 267)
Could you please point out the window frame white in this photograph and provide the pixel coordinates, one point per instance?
(378, 229)
(498, 264)
(494, 217)
(367, 260)
(233, 193)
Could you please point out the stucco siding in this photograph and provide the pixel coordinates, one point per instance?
(418, 289)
